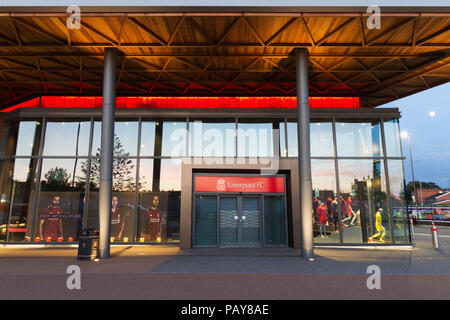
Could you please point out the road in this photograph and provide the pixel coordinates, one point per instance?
(165, 272)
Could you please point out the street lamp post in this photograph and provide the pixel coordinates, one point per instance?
(406, 135)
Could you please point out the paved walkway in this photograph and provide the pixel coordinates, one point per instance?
(165, 272)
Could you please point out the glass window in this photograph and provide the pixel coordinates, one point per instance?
(392, 136)
(255, 139)
(61, 200)
(400, 222)
(205, 230)
(125, 138)
(325, 203)
(358, 139)
(274, 221)
(97, 139)
(321, 139)
(170, 179)
(283, 147)
(365, 215)
(148, 138)
(17, 189)
(292, 139)
(159, 203)
(22, 138)
(67, 138)
(173, 139)
(212, 139)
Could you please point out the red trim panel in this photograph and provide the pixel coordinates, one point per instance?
(224, 184)
(188, 102)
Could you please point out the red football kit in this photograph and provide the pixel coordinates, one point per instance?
(116, 225)
(153, 225)
(52, 218)
(322, 213)
(349, 206)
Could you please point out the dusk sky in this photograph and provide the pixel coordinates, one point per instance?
(430, 136)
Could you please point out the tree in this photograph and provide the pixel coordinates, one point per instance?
(123, 177)
(425, 185)
(57, 178)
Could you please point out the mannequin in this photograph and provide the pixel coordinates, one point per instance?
(381, 231)
(322, 214)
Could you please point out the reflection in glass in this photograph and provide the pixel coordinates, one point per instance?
(22, 138)
(392, 136)
(61, 200)
(400, 225)
(67, 138)
(148, 138)
(255, 140)
(363, 201)
(125, 138)
(17, 189)
(292, 139)
(170, 175)
(325, 202)
(212, 139)
(205, 230)
(173, 138)
(283, 147)
(321, 139)
(358, 139)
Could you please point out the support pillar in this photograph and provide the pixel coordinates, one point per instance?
(304, 153)
(107, 150)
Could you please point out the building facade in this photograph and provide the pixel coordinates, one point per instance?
(214, 173)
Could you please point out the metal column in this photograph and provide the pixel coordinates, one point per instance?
(107, 147)
(304, 153)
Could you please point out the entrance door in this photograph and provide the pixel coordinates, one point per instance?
(240, 221)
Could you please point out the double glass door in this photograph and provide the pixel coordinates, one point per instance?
(239, 221)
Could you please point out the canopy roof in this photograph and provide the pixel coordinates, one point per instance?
(223, 54)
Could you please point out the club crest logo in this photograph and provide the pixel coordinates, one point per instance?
(221, 185)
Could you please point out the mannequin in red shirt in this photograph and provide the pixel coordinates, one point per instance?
(322, 215)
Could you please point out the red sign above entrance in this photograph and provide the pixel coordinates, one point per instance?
(224, 184)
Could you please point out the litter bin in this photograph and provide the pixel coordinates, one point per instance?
(88, 244)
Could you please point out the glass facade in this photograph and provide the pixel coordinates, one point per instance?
(50, 178)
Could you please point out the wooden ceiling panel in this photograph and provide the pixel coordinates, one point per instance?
(225, 54)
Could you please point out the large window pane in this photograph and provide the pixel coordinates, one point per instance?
(283, 146)
(363, 201)
(67, 138)
(173, 139)
(17, 189)
(321, 136)
(212, 139)
(148, 138)
(358, 139)
(159, 206)
(22, 138)
(205, 229)
(255, 139)
(400, 225)
(292, 139)
(392, 136)
(61, 200)
(125, 138)
(325, 204)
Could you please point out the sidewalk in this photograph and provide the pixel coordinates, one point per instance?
(166, 272)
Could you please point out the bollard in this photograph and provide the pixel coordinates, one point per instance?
(434, 236)
(411, 225)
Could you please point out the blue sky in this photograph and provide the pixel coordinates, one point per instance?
(430, 136)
